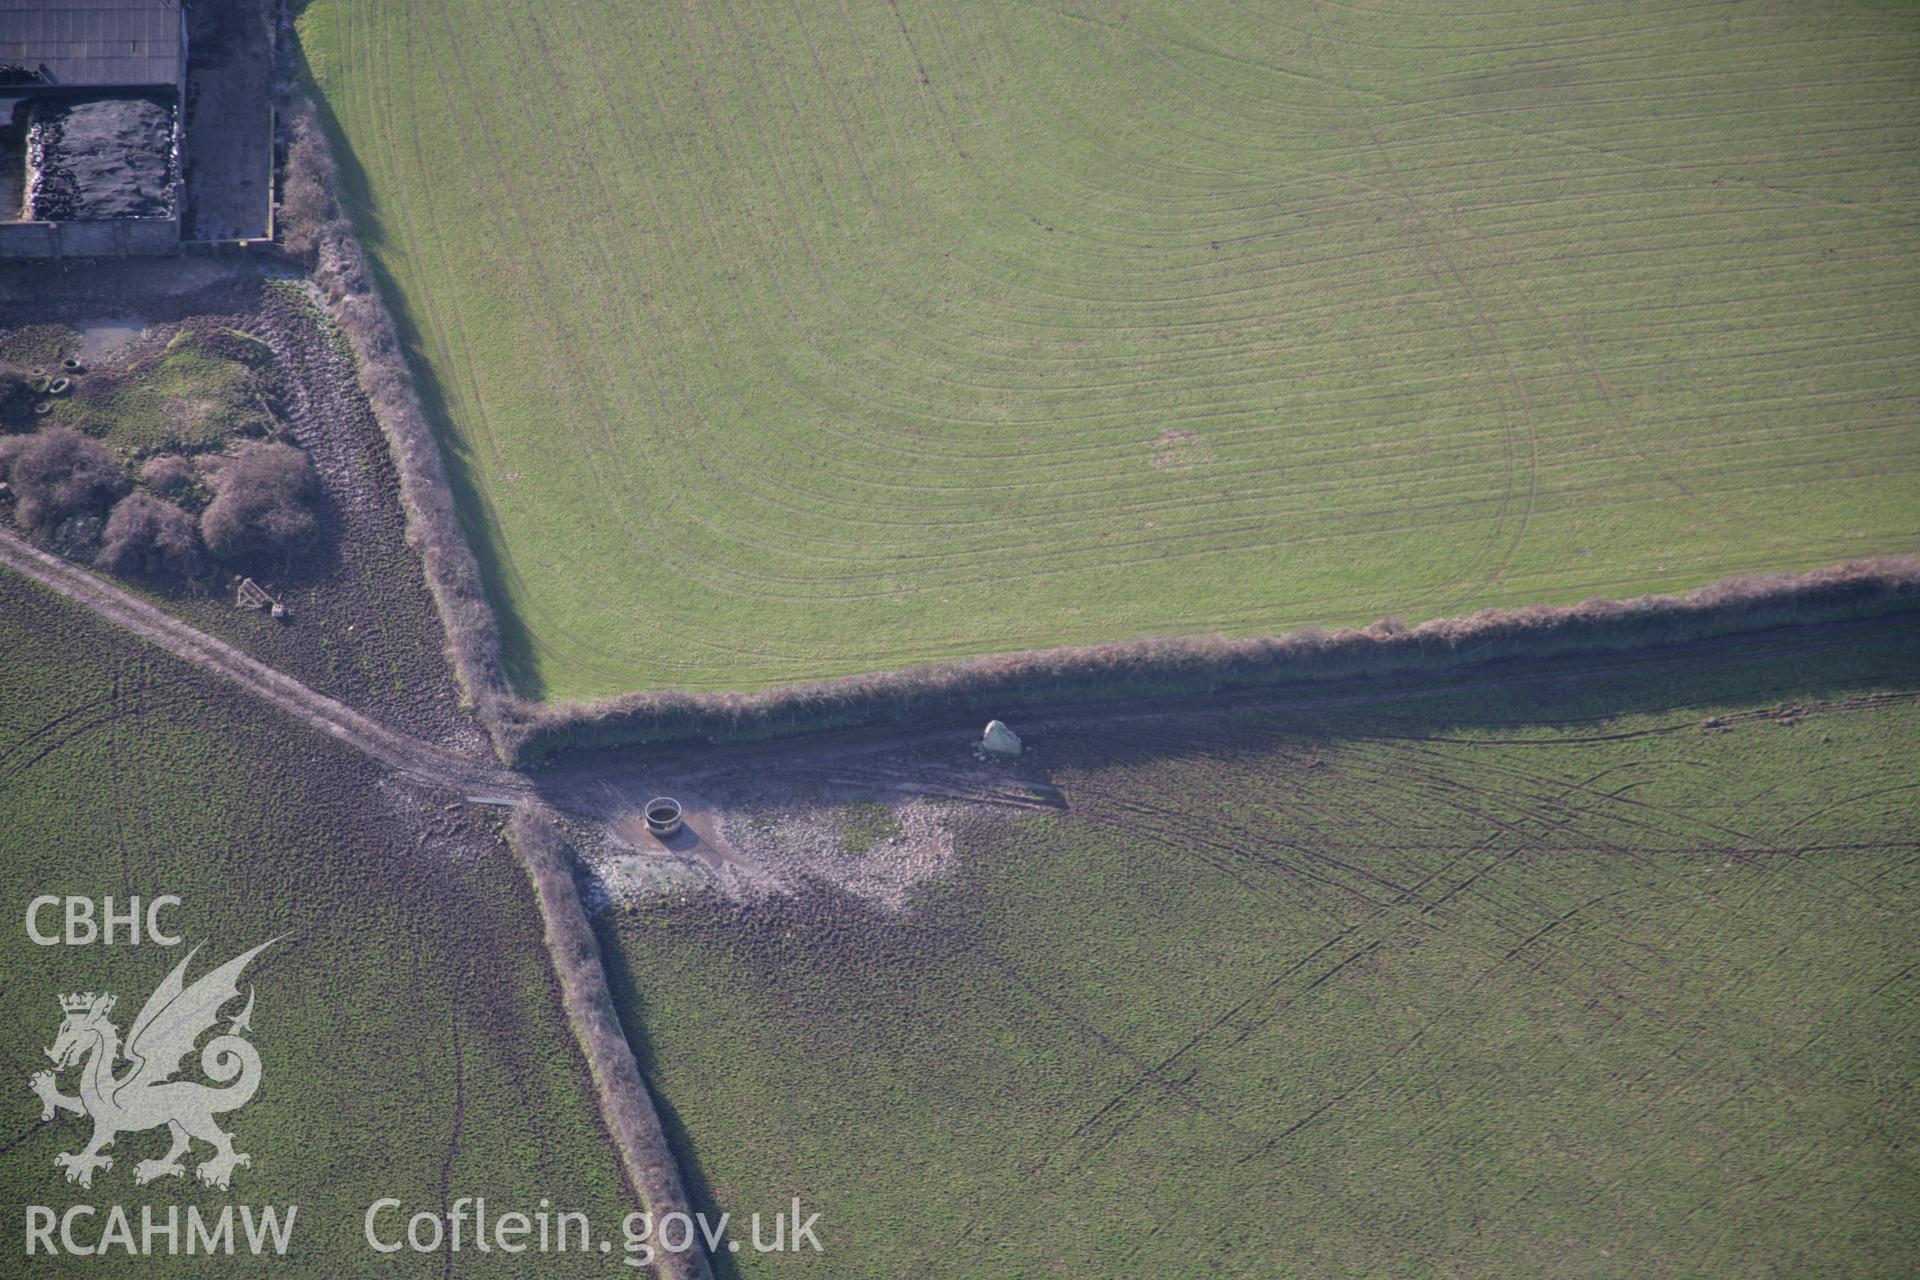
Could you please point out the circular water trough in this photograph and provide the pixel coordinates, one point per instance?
(663, 815)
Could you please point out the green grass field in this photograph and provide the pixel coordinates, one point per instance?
(777, 341)
(400, 1056)
(1555, 981)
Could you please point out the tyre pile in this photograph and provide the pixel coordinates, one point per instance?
(107, 158)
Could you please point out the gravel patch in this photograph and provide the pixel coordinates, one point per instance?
(753, 851)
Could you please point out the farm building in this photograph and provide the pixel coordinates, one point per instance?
(93, 46)
(102, 105)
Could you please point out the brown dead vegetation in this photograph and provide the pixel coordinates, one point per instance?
(169, 474)
(263, 503)
(59, 473)
(625, 1104)
(1208, 663)
(151, 536)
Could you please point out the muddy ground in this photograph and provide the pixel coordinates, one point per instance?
(363, 629)
(774, 818)
(866, 815)
(229, 125)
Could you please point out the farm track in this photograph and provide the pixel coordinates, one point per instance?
(128, 768)
(1506, 898)
(408, 756)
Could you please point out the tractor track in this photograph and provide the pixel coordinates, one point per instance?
(408, 756)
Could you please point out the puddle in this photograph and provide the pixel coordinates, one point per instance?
(697, 838)
(100, 339)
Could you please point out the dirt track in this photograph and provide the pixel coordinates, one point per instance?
(408, 756)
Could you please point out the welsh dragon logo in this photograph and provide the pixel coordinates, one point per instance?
(145, 1096)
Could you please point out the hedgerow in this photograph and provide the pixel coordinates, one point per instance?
(625, 1104)
(1208, 663)
(314, 231)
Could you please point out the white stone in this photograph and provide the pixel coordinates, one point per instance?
(1000, 740)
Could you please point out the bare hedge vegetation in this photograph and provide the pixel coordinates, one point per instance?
(527, 732)
(625, 1104)
(314, 230)
(1200, 664)
(60, 473)
(149, 535)
(263, 503)
(169, 474)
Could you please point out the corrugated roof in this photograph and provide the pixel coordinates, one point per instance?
(93, 43)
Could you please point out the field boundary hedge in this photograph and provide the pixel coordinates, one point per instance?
(625, 1105)
(525, 732)
(1207, 663)
(315, 232)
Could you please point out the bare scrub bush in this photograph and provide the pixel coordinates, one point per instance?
(306, 198)
(58, 474)
(263, 504)
(169, 474)
(149, 535)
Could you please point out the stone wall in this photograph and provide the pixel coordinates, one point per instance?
(117, 238)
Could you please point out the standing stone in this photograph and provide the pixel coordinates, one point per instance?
(1000, 740)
